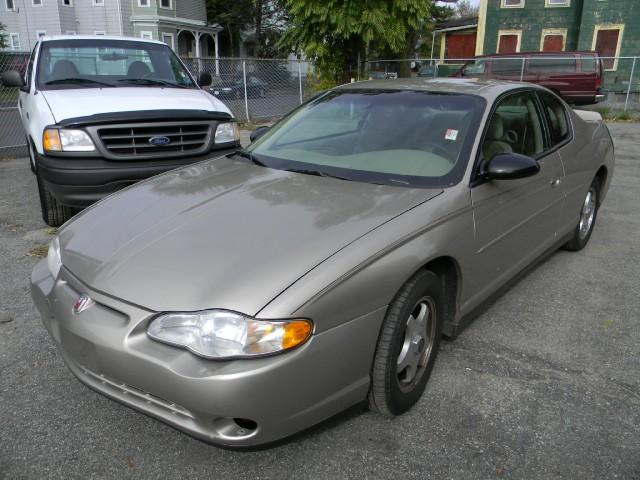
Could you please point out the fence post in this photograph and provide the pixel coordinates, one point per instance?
(246, 98)
(435, 70)
(522, 70)
(633, 68)
(300, 80)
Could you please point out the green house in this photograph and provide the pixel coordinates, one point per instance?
(610, 27)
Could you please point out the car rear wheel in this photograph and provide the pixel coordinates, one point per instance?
(53, 213)
(408, 345)
(588, 214)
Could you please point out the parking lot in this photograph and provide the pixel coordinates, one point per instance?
(544, 384)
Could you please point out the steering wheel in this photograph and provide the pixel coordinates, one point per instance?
(434, 146)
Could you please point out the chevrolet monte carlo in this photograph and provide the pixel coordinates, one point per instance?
(244, 298)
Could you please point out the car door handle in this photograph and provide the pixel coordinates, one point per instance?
(556, 182)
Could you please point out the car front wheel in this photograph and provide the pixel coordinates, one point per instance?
(408, 345)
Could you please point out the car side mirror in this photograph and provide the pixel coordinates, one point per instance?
(205, 79)
(12, 79)
(509, 166)
(258, 132)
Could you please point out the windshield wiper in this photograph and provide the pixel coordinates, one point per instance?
(317, 173)
(71, 81)
(151, 81)
(245, 154)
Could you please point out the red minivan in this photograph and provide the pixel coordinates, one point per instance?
(575, 76)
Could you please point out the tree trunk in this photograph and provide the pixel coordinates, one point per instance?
(404, 68)
(230, 34)
(258, 48)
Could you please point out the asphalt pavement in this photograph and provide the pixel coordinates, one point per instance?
(545, 384)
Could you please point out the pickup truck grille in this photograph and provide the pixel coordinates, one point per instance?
(155, 140)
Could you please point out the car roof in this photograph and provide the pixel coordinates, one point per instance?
(487, 88)
(49, 38)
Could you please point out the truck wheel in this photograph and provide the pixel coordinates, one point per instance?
(53, 213)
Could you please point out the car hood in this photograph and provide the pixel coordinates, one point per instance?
(222, 234)
(81, 102)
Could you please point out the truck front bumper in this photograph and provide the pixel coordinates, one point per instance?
(81, 181)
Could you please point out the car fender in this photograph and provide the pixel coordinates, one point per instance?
(367, 274)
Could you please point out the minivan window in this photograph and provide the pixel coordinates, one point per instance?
(506, 66)
(552, 65)
(557, 116)
(588, 63)
(97, 63)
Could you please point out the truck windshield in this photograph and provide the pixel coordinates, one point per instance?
(109, 63)
(394, 137)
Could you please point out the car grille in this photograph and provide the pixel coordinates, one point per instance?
(134, 141)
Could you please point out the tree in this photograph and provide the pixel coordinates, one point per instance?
(3, 36)
(233, 15)
(337, 33)
(465, 9)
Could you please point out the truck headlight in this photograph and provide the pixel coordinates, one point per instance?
(54, 261)
(222, 334)
(67, 140)
(227, 132)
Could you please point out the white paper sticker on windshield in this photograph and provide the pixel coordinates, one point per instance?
(451, 134)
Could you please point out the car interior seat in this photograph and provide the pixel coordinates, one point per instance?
(494, 142)
(138, 69)
(64, 69)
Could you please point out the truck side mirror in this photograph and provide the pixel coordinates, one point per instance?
(12, 79)
(205, 79)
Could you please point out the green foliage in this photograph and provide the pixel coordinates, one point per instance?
(233, 15)
(336, 33)
(3, 37)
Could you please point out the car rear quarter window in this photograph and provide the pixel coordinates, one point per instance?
(557, 118)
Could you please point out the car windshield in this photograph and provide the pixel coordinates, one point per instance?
(109, 63)
(393, 137)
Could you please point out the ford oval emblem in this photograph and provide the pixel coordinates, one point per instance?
(83, 302)
(159, 141)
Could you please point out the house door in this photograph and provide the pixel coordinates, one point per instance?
(553, 43)
(508, 44)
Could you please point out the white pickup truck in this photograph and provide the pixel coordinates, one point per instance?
(101, 113)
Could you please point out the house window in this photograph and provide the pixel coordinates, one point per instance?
(509, 41)
(67, 3)
(146, 35)
(36, 3)
(143, 3)
(512, 3)
(168, 39)
(165, 3)
(41, 33)
(14, 41)
(557, 3)
(553, 40)
(606, 41)
(98, 3)
(10, 5)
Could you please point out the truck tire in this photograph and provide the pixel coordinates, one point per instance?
(53, 213)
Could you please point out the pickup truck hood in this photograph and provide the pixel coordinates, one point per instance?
(222, 234)
(82, 102)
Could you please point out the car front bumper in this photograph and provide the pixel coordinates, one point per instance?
(81, 181)
(107, 348)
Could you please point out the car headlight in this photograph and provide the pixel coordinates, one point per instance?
(227, 132)
(221, 334)
(67, 140)
(54, 261)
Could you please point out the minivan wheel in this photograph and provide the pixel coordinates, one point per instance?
(587, 221)
(53, 213)
(408, 345)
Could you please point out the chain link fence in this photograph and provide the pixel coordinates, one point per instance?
(255, 90)
(620, 82)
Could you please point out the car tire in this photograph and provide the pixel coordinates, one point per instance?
(588, 214)
(408, 345)
(32, 156)
(53, 213)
